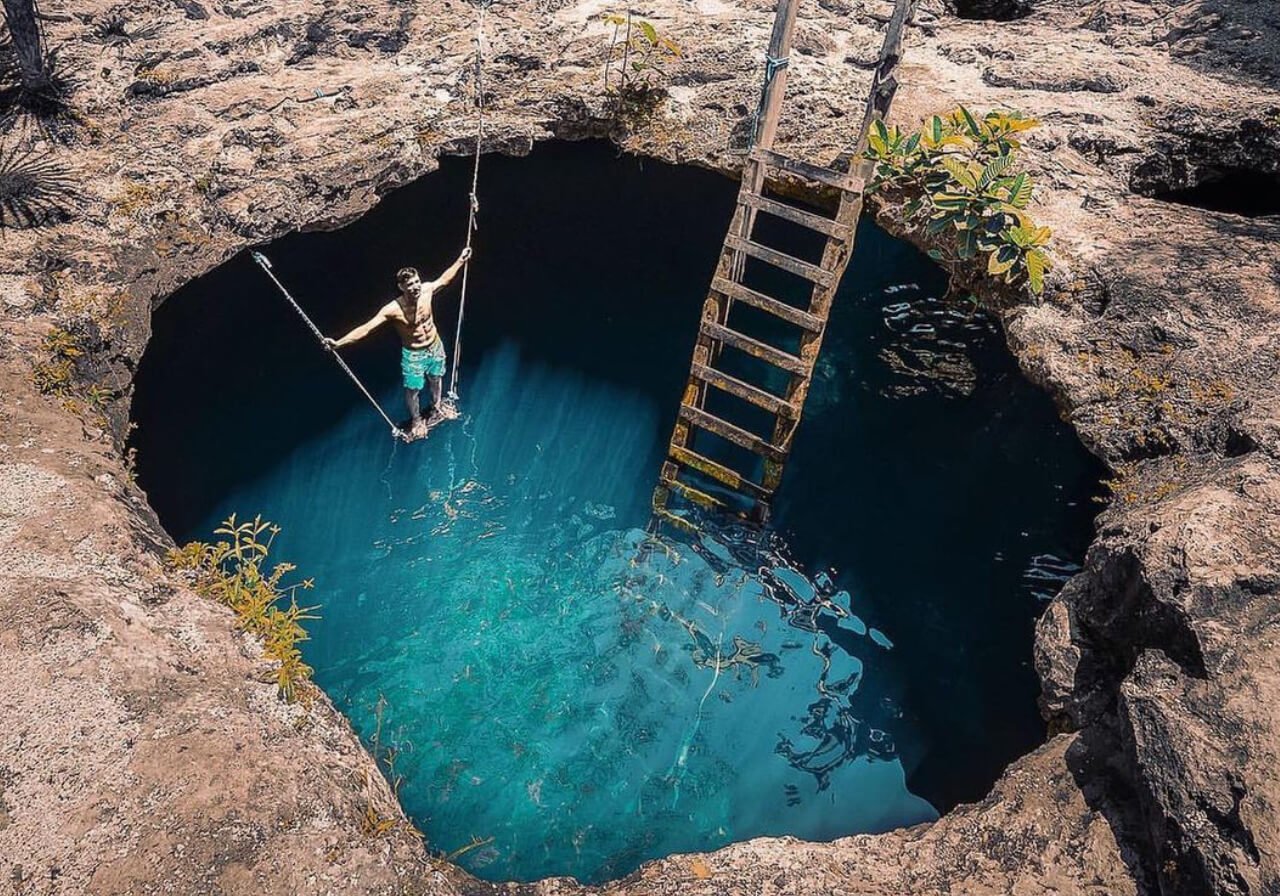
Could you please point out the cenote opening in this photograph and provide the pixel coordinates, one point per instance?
(548, 684)
(1236, 191)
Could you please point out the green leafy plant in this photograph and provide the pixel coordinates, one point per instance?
(956, 175)
(636, 52)
(234, 572)
(55, 375)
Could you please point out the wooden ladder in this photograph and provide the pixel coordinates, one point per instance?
(688, 472)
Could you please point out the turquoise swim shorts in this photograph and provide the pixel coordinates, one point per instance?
(416, 364)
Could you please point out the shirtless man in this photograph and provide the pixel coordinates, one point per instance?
(422, 356)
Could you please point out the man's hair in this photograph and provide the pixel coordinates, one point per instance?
(405, 273)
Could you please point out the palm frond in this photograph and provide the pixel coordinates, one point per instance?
(35, 190)
(32, 81)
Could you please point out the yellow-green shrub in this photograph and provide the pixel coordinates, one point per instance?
(232, 572)
(55, 374)
(956, 176)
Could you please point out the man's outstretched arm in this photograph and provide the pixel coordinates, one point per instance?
(359, 332)
(452, 271)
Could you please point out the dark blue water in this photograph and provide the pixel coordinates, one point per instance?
(553, 680)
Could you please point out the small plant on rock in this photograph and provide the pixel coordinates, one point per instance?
(113, 29)
(956, 176)
(234, 572)
(55, 374)
(65, 370)
(638, 55)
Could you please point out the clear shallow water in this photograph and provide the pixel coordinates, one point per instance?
(552, 680)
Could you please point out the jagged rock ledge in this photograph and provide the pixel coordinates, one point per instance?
(143, 754)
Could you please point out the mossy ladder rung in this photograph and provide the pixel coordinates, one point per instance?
(690, 472)
(687, 467)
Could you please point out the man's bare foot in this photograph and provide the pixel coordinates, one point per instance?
(418, 430)
(441, 412)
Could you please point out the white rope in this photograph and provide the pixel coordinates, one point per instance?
(481, 6)
(266, 266)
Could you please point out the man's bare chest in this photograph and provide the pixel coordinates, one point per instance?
(412, 318)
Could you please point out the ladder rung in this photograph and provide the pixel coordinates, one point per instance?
(796, 216)
(675, 520)
(695, 496)
(719, 472)
(781, 260)
(730, 433)
(755, 348)
(841, 180)
(747, 392)
(793, 315)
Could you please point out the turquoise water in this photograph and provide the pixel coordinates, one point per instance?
(573, 694)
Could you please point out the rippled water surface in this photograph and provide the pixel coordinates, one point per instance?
(557, 689)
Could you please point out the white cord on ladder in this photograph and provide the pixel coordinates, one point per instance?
(265, 264)
(475, 199)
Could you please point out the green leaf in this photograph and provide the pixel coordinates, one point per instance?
(1037, 264)
(1020, 191)
(995, 169)
(972, 125)
(962, 173)
(1001, 261)
(1024, 220)
(650, 33)
(938, 225)
(935, 254)
(935, 129)
(1021, 236)
(949, 201)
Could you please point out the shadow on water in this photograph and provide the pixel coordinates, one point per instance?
(554, 678)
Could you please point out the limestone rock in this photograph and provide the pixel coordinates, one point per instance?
(141, 752)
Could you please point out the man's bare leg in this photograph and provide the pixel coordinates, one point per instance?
(417, 426)
(440, 409)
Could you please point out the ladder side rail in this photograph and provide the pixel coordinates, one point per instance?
(732, 264)
(776, 69)
(715, 308)
(775, 81)
(884, 79)
(837, 254)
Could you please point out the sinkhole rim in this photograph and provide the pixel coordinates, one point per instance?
(320, 222)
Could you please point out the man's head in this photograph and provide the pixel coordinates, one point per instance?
(407, 279)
